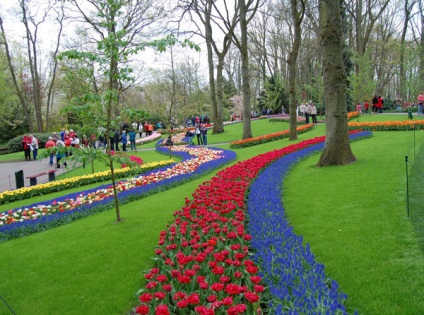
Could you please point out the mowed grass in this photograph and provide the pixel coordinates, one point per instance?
(354, 217)
(95, 266)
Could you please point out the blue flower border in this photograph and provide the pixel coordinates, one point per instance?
(24, 228)
(297, 282)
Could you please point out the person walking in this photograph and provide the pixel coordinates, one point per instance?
(204, 132)
(375, 104)
(34, 146)
(366, 105)
(308, 112)
(26, 142)
(380, 103)
(198, 135)
(124, 140)
(116, 140)
(60, 155)
(420, 103)
(132, 140)
(313, 109)
(50, 144)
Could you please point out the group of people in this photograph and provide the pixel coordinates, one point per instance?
(116, 138)
(364, 109)
(309, 110)
(30, 145)
(197, 120)
(377, 104)
(201, 134)
(66, 138)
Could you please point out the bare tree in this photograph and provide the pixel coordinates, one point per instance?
(247, 10)
(210, 16)
(19, 92)
(337, 149)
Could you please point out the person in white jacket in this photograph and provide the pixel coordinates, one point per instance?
(313, 113)
(34, 146)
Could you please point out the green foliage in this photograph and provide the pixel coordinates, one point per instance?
(274, 96)
(362, 85)
(12, 119)
(15, 144)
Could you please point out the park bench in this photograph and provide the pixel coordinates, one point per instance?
(33, 178)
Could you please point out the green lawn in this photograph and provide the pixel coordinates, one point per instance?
(353, 216)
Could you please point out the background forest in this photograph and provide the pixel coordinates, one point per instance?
(160, 69)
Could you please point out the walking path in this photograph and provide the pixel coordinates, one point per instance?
(8, 172)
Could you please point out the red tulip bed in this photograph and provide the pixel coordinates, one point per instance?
(205, 263)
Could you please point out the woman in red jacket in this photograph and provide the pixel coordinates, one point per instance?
(26, 141)
(380, 103)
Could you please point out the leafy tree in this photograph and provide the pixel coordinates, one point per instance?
(274, 96)
(116, 24)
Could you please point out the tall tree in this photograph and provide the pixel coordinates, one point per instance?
(117, 24)
(421, 45)
(247, 10)
(18, 89)
(337, 149)
(298, 9)
(209, 12)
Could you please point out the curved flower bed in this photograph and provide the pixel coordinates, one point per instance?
(353, 115)
(300, 119)
(155, 136)
(388, 125)
(268, 138)
(77, 181)
(23, 221)
(296, 281)
(203, 263)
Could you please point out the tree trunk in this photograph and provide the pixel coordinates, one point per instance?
(292, 60)
(53, 76)
(247, 128)
(337, 149)
(219, 128)
(209, 40)
(15, 81)
(421, 68)
(33, 65)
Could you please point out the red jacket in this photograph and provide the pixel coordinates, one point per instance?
(26, 141)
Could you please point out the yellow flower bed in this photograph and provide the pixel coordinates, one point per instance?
(58, 185)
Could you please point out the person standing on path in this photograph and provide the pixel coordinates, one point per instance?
(204, 132)
(420, 103)
(34, 146)
(314, 113)
(366, 105)
(198, 135)
(50, 144)
(308, 111)
(26, 142)
(132, 140)
(116, 140)
(124, 140)
(375, 104)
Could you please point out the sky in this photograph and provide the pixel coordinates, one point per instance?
(15, 32)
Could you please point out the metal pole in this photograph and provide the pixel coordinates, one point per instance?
(407, 186)
(414, 142)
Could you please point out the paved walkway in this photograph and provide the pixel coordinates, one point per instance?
(8, 170)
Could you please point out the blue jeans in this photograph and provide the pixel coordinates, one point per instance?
(51, 159)
(420, 109)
